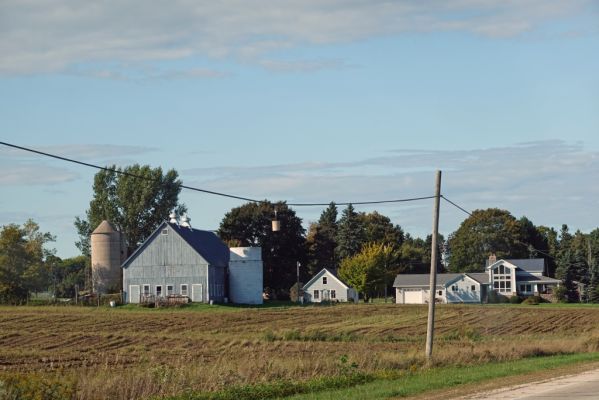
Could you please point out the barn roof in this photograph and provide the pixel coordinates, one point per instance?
(205, 243)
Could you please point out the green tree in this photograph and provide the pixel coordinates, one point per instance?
(22, 261)
(484, 232)
(350, 235)
(369, 270)
(567, 268)
(250, 225)
(379, 229)
(135, 200)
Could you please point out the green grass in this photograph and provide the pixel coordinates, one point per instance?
(446, 377)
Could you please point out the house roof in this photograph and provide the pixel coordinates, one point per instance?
(423, 280)
(536, 279)
(533, 265)
(205, 243)
(321, 273)
(480, 277)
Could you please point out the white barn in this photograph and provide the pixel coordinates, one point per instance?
(326, 286)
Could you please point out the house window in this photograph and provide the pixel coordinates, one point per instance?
(333, 294)
(316, 294)
(158, 290)
(184, 289)
(473, 288)
(169, 290)
(440, 293)
(146, 291)
(526, 288)
(164, 232)
(324, 280)
(454, 288)
(502, 278)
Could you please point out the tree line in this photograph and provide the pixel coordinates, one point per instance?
(365, 248)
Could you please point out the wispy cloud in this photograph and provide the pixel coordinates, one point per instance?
(25, 169)
(547, 181)
(41, 37)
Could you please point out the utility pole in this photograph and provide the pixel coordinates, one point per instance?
(433, 278)
(298, 283)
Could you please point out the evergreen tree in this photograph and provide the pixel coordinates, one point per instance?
(350, 235)
(322, 241)
(566, 268)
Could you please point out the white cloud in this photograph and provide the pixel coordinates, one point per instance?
(547, 181)
(57, 35)
(25, 168)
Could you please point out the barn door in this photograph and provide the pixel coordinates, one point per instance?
(196, 293)
(134, 294)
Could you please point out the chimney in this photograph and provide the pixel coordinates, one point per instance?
(492, 258)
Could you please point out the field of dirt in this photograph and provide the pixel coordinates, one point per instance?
(208, 348)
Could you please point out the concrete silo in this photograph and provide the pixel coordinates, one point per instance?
(106, 247)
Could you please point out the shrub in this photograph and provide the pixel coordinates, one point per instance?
(533, 300)
(515, 300)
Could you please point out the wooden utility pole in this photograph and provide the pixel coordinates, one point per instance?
(433, 278)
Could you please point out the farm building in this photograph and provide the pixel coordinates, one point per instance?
(178, 261)
(326, 286)
(521, 277)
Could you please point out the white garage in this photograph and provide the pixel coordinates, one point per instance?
(410, 296)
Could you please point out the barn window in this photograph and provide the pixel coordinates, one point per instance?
(316, 294)
(146, 290)
(333, 294)
(324, 280)
(164, 232)
(169, 290)
(183, 290)
(473, 288)
(158, 290)
(454, 288)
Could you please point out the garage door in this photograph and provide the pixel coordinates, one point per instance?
(412, 296)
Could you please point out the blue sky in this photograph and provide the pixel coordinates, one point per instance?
(305, 101)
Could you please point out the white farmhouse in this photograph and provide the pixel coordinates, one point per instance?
(325, 286)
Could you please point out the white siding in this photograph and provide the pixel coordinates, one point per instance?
(463, 292)
(342, 292)
(245, 275)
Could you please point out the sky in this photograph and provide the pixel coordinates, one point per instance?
(305, 101)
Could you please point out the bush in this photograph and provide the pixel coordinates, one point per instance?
(533, 300)
(515, 299)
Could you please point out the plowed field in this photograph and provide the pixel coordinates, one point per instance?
(163, 352)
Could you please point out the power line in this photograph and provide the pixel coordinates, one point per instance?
(231, 196)
(518, 241)
(455, 205)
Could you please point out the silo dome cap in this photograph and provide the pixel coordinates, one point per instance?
(104, 227)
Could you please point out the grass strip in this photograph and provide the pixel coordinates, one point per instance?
(446, 377)
(278, 389)
(395, 384)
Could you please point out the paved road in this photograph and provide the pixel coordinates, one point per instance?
(584, 386)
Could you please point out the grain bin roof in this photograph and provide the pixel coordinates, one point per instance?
(104, 227)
